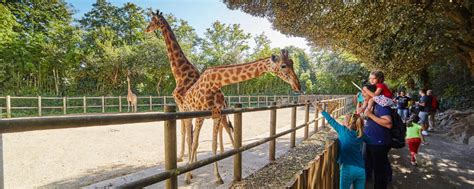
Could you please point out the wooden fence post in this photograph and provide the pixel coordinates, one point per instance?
(151, 104)
(250, 105)
(273, 112)
(39, 106)
(103, 104)
(2, 164)
(266, 100)
(316, 116)
(164, 102)
(9, 107)
(258, 100)
(120, 103)
(64, 105)
(324, 120)
(84, 104)
(306, 120)
(238, 144)
(293, 125)
(170, 147)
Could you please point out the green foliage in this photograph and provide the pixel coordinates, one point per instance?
(405, 39)
(48, 54)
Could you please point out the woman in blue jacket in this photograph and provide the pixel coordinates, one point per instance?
(350, 159)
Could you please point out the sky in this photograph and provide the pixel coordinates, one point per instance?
(200, 14)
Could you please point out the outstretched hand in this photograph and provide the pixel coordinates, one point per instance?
(331, 106)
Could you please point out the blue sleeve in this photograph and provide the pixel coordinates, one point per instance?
(334, 124)
(382, 111)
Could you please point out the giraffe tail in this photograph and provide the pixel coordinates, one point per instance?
(229, 124)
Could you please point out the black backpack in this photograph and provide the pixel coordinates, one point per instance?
(398, 130)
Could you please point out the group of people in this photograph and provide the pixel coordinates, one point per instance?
(365, 138)
(425, 109)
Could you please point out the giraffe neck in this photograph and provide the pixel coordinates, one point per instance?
(128, 83)
(227, 75)
(180, 66)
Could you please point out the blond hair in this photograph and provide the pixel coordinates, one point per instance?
(356, 123)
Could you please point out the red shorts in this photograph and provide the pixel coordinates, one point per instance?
(414, 144)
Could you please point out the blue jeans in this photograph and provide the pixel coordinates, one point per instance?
(403, 113)
(352, 175)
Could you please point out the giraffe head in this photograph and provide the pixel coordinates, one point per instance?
(282, 66)
(157, 22)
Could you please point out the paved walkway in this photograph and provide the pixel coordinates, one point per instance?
(441, 165)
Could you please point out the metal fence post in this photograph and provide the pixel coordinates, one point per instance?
(151, 104)
(306, 120)
(64, 105)
(39, 106)
(103, 104)
(9, 107)
(293, 125)
(273, 112)
(238, 144)
(170, 147)
(84, 104)
(120, 103)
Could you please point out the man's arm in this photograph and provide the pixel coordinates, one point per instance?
(384, 121)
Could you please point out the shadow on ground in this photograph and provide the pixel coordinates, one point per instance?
(441, 165)
(94, 175)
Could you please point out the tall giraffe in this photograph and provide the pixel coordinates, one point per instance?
(185, 75)
(132, 98)
(206, 93)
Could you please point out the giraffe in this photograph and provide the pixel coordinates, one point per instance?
(131, 97)
(206, 93)
(185, 75)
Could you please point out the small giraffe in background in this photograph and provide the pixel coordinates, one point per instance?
(206, 93)
(131, 97)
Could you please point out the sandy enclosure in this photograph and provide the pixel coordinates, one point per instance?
(99, 156)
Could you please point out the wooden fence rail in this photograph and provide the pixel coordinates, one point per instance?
(103, 104)
(170, 117)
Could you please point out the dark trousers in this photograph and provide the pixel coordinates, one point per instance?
(377, 161)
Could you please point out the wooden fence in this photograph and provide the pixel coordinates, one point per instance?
(37, 106)
(170, 117)
(322, 172)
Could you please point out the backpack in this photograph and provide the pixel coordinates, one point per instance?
(434, 103)
(398, 130)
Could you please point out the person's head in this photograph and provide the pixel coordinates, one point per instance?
(402, 93)
(422, 92)
(354, 122)
(413, 119)
(376, 77)
(429, 92)
(371, 88)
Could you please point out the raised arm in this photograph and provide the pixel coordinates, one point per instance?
(334, 124)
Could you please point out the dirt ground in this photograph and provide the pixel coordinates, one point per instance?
(72, 158)
(442, 164)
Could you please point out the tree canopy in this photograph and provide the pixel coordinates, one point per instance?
(398, 38)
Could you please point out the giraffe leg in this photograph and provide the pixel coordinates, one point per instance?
(183, 141)
(219, 180)
(128, 106)
(221, 140)
(195, 144)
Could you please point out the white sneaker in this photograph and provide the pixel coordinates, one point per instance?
(424, 133)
